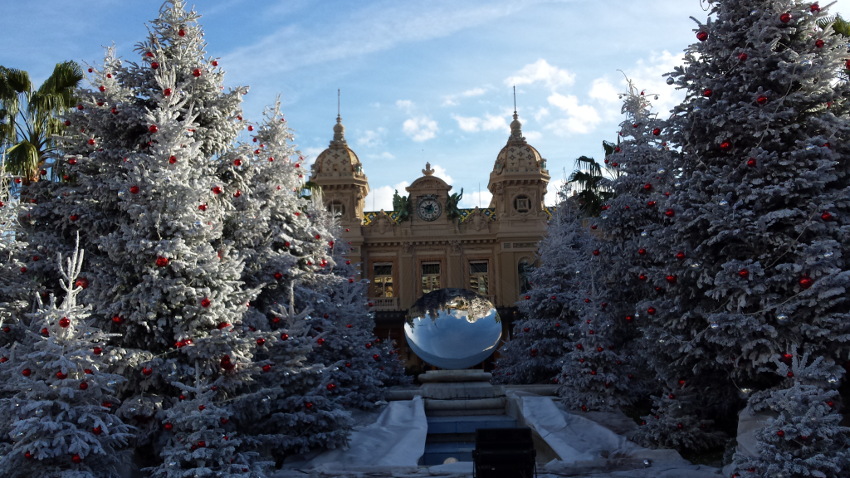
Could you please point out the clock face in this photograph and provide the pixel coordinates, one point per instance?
(429, 209)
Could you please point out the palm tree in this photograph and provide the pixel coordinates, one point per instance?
(29, 119)
(593, 186)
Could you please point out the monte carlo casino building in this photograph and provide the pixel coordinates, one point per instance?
(430, 243)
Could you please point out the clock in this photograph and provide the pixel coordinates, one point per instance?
(429, 209)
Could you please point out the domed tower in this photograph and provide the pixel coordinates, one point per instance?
(339, 173)
(519, 178)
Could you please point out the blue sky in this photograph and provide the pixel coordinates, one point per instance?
(421, 81)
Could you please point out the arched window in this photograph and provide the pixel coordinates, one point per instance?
(524, 269)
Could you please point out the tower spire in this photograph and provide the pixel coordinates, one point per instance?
(516, 126)
(339, 129)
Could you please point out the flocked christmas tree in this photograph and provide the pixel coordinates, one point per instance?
(541, 338)
(804, 435)
(144, 185)
(62, 390)
(756, 237)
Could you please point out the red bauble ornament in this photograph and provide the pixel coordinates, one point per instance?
(751, 162)
(369, 345)
(153, 128)
(196, 72)
(205, 302)
(224, 421)
(785, 17)
(596, 252)
(64, 322)
(172, 159)
(284, 336)
(117, 319)
(134, 189)
(84, 385)
(827, 216)
(641, 251)
(707, 92)
(669, 213)
(819, 43)
(61, 376)
(154, 65)
(671, 279)
(261, 341)
(26, 372)
(162, 261)
(376, 357)
(725, 146)
(642, 277)
(237, 162)
(97, 350)
(331, 386)
(651, 311)
(656, 131)
(761, 100)
(278, 276)
(82, 282)
(814, 7)
(237, 194)
(202, 207)
(73, 217)
(214, 63)
(76, 458)
(168, 426)
(780, 433)
(147, 371)
(321, 341)
(743, 273)
(647, 187)
(216, 190)
(97, 430)
(45, 332)
(702, 35)
(806, 282)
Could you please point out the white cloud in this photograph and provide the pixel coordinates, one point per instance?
(310, 154)
(441, 173)
(473, 199)
(579, 118)
(404, 105)
(473, 124)
(420, 128)
(541, 114)
(452, 100)
(541, 72)
(532, 136)
(382, 196)
(371, 138)
(602, 90)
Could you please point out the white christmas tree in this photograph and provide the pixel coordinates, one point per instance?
(804, 436)
(62, 393)
(756, 233)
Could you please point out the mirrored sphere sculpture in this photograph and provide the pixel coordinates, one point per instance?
(453, 328)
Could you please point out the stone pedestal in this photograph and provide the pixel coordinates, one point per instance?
(461, 392)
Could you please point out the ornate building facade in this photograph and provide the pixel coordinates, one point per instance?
(428, 243)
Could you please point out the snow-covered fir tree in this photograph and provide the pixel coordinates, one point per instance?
(15, 287)
(756, 234)
(804, 436)
(540, 338)
(62, 393)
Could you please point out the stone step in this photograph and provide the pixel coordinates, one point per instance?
(468, 424)
(469, 406)
(438, 453)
